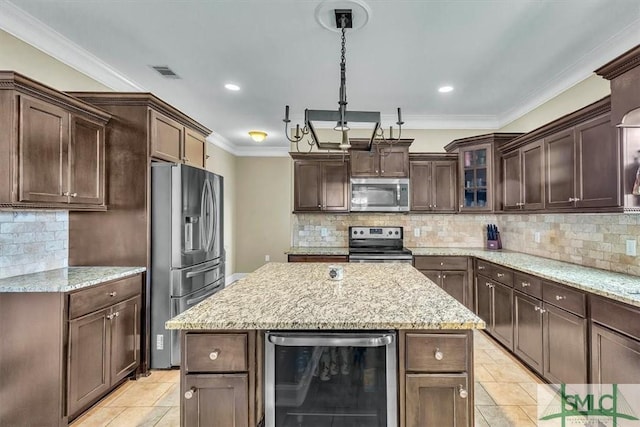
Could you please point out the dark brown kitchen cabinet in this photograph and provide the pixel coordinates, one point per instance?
(215, 400)
(382, 161)
(560, 169)
(494, 302)
(174, 142)
(317, 258)
(434, 400)
(523, 178)
(511, 181)
(565, 346)
(450, 273)
(433, 184)
(320, 185)
(527, 330)
(125, 338)
(53, 149)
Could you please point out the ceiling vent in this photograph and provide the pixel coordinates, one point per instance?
(165, 71)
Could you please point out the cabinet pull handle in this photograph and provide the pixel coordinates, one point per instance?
(525, 284)
(376, 170)
(214, 354)
(492, 286)
(500, 274)
(536, 308)
(382, 170)
(542, 310)
(481, 267)
(116, 314)
(320, 206)
(574, 199)
(430, 206)
(488, 284)
(74, 194)
(189, 393)
(560, 297)
(462, 392)
(438, 355)
(435, 206)
(113, 294)
(66, 193)
(109, 316)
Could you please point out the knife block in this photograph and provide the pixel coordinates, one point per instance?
(494, 245)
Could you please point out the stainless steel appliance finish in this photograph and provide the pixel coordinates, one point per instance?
(187, 256)
(380, 194)
(377, 244)
(308, 396)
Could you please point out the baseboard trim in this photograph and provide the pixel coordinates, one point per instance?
(233, 278)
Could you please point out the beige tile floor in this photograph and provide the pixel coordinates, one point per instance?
(505, 395)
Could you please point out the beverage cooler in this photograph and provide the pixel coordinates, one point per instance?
(330, 379)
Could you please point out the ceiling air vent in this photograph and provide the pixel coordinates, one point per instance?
(165, 71)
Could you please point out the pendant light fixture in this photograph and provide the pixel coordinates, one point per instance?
(342, 117)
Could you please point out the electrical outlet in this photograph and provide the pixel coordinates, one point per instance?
(267, 258)
(323, 232)
(632, 247)
(159, 342)
(536, 237)
(416, 232)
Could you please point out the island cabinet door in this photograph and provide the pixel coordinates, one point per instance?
(456, 284)
(434, 400)
(219, 400)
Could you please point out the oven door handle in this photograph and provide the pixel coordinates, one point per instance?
(328, 341)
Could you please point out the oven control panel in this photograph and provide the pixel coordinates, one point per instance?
(375, 232)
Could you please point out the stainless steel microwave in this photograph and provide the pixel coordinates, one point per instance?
(379, 194)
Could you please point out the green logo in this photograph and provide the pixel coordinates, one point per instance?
(589, 407)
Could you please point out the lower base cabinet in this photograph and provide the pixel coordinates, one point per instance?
(494, 305)
(434, 400)
(615, 358)
(216, 400)
(527, 331)
(565, 346)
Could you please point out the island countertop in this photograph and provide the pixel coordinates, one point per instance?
(301, 296)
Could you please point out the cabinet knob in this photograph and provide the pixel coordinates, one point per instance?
(536, 308)
(430, 206)
(488, 284)
(66, 193)
(444, 276)
(320, 206)
(439, 276)
(113, 294)
(74, 194)
(442, 263)
(214, 354)
(189, 393)
(376, 170)
(462, 392)
(525, 284)
(542, 310)
(438, 355)
(382, 170)
(109, 316)
(560, 297)
(116, 314)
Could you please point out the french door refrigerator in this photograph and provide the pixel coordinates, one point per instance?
(187, 255)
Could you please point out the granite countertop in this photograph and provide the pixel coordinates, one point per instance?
(617, 286)
(300, 250)
(65, 279)
(301, 296)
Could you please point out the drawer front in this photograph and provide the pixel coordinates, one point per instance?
(440, 263)
(318, 258)
(484, 268)
(94, 298)
(502, 275)
(616, 315)
(530, 285)
(216, 353)
(564, 297)
(436, 353)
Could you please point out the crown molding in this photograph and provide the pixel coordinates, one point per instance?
(240, 151)
(27, 28)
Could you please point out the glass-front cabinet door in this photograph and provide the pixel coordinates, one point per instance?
(476, 178)
(337, 380)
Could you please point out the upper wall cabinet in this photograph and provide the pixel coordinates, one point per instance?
(174, 142)
(56, 156)
(523, 178)
(321, 183)
(382, 161)
(433, 182)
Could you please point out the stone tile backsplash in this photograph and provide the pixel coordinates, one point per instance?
(33, 241)
(593, 240)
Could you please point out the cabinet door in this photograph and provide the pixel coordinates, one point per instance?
(527, 330)
(420, 183)
(125, 338)
(533, 175)
(565, 346)
(437, 400)
(597, 164)
(86, 162)
(43, 154)
(307, 186)
(560, 169)
(476, 181)
(502, 314)
(89, 359)
(512, 181)
(167, 137)
(615, 358)
(217, 401)
(394, 161)
(194, 148)
(365, 163)
(434, 275)
(443, 188)
(335, 186)
(456, 283)
(484, 297)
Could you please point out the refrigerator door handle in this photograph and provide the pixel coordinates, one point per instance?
(212, 219)
(204, 270)
(203, 226)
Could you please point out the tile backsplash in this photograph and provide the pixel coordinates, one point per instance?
(33, 241)
(594, 240)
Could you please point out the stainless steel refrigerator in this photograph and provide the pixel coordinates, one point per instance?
(187, 255)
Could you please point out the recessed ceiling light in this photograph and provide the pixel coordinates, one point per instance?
(232, 87)
(445, 89)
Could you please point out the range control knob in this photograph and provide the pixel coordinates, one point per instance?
(397, 232)
(362, 232)
(391, 232)
(355, 232)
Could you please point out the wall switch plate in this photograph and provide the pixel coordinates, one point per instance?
(323, 232)
(536, 237)
(159, 342)
(632, 247)
(267, 258)
(416, 232)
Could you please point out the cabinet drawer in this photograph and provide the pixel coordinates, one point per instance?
(502, 275)
(216, 352)
(436, 353)
(564, 297)
(616, 315)
(483, 268)
(318, 258)
(440, 263)
(530, 285)
(96, 297)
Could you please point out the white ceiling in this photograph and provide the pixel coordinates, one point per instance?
(504, 57)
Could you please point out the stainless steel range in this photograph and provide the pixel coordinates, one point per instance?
(377, 244)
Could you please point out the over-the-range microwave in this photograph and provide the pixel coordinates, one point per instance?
(379, 194)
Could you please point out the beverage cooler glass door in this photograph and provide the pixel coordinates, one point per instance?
(332, 379)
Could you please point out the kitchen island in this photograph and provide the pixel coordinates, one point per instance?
(223, 341)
